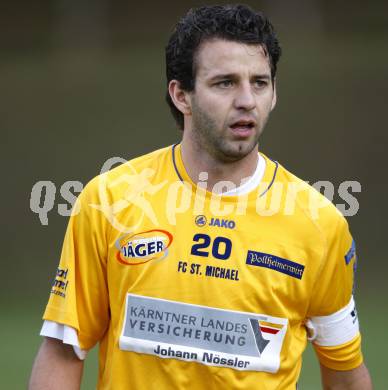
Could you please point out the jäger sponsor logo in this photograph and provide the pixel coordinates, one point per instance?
(206, 335)
(140, 248)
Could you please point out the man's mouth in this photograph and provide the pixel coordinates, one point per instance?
(243, 128)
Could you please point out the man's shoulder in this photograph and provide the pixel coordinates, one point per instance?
(152, 160)
(318, 209)
(141, 169)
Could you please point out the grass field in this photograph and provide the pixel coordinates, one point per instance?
(20, 341)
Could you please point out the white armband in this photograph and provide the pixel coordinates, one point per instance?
(335, 329)
(65, 333)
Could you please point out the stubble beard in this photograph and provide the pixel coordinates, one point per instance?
(208, 136)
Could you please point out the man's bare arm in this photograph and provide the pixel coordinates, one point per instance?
(356, 379)
(56, 367)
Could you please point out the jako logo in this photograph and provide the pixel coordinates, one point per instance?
(224, 223)
(200, 220)
(140, 248)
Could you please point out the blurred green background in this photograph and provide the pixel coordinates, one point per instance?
(83, 80)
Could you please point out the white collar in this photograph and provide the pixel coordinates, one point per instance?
(252, 182)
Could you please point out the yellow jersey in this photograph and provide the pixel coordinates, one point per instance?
(184, 288)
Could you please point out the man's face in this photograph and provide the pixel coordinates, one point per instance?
(232, 99)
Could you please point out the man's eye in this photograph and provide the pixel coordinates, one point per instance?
(225, 83)
(260, 83)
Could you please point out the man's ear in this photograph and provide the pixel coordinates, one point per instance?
(274, 97)
(180, 97)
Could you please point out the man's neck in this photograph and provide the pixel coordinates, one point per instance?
(197, 160)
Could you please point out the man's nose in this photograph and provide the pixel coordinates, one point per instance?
(245, 98)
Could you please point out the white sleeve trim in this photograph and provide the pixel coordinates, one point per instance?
(335, 329)
(65, 333)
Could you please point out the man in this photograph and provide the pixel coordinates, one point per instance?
(176, 263)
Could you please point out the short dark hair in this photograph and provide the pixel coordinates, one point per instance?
(238, 23)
